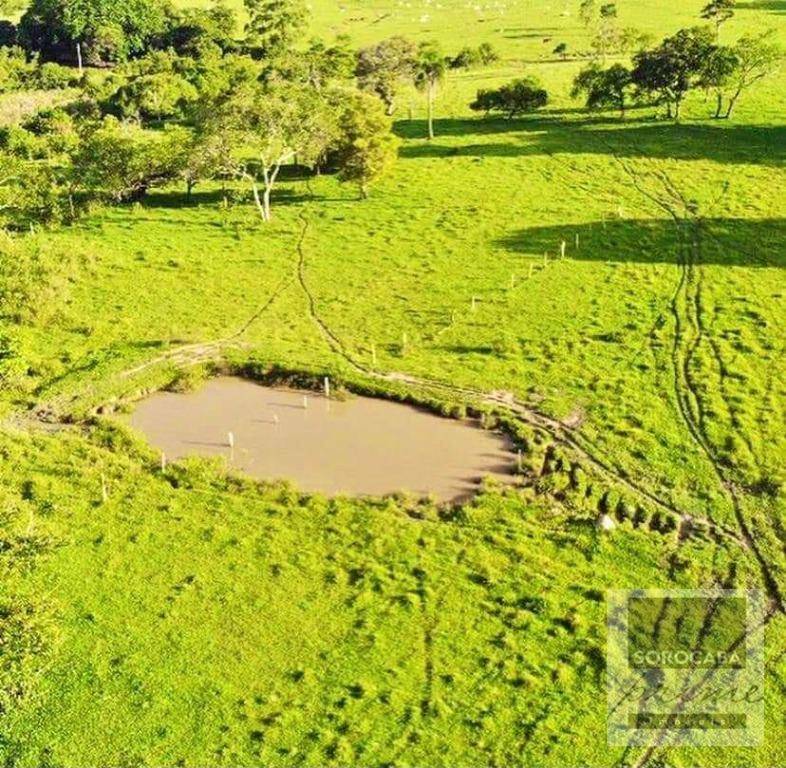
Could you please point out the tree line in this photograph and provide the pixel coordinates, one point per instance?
(692, 59)
(168, 94)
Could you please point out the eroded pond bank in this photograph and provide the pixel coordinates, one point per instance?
(361, 446)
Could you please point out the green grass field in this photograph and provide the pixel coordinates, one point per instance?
(196, 618)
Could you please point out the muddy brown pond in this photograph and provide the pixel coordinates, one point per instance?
(361, 446)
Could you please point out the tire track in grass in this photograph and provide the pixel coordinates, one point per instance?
(688, 293)
(683, 350)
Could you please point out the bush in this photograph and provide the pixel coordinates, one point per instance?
(468, 57)
(51, 76)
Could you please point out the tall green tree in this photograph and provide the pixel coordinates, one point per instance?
(366, 147)
(274, 26)
(719, 69)
(264, 128)
(719, 12)
(758, 56)
(430, 68)
(382, 68)
(674, 67)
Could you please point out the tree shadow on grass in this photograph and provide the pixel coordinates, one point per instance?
(773, 6)
(724, 242)
(720, 142)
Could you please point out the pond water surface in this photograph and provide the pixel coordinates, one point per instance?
(360, 446)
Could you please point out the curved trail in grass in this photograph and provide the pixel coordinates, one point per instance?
(192, 354)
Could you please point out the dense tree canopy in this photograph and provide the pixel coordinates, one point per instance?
(273, 25)
(604, 88)
(105, 30)
(670, 70)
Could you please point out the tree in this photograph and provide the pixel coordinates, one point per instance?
(633, 40)
(587, 12)
(488, 54)
(604, 88)
(123, 161)
(265, 128)
(273, 26)
(719, 68)
(515, 98)
(98, 31)
(561, 50)
(430, 70)
(318, 65)
(469, 57)
(382, 68)
(719, 12)
(757, 57)
(669, 71)
(366, 147)
(189, 31)
(607, 35)
(30, 192)
(156, 96)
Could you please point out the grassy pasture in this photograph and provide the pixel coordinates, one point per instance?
(201, 619)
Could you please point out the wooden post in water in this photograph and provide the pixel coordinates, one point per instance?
(275, 419)
(305, 402)
(231, 442)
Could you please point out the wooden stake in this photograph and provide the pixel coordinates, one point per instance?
(305, 402)
(327, 387)
(474, 303)
(577, 241)
(275, 419)
(562, 247)
(163, 462)
(531, 267)
(230, 440)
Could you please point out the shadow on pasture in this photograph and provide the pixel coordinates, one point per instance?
(719, 141)
(725, 242)
(773, 6)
